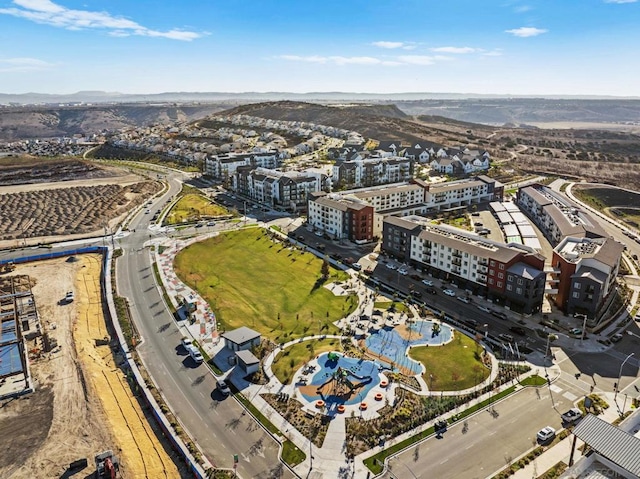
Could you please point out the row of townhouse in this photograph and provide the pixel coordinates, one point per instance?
(225, 166)
(363, 172)
(413, 197)
(585, 260)
(286, 189)
(502, 272)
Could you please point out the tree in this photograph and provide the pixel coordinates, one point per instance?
(324, 270)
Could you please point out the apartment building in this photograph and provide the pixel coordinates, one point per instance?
(584, 273)
(462, 193)
(225, 166)
(365, 172)
(509, 273)
(556, 216)
(341, 217)
(287, 189)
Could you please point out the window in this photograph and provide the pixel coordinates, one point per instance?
(500, 275)
(518, 290)
(577, 285)
(509, 287)
(576, 295)
(490, 280)
(519, 280)
(510, 277)
(492, 263)
(499, 284)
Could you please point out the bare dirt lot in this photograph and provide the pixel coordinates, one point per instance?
(83, 403)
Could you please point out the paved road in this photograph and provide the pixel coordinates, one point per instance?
(218, 425)
(490, 442)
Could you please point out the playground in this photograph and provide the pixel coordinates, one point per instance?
(390, 345)
(340, 380)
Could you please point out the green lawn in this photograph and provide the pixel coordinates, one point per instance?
(192, 207)
(292, 358)
(250, 280)
(454, 366)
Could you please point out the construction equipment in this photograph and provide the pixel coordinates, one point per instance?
(106, 465)
(7, 268)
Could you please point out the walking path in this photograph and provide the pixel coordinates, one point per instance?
(330, 460)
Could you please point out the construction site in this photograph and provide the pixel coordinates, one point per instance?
(67, 405)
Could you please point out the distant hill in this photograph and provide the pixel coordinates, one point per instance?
(43, 122)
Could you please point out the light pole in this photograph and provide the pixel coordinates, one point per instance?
(615, 397)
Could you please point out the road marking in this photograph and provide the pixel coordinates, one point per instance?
(555, 388)
(570, 396)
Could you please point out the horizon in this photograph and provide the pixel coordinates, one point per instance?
(500, 48)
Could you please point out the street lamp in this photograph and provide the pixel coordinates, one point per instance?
(620, 377)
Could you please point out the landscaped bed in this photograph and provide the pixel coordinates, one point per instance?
(250, 278)
(194, 207)
(293, 358)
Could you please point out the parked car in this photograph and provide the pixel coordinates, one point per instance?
(432, 291)
(416, 294)
(464, 299)
(448, 292)
(223, 387)
(195, 354)
(571, 416)
(616, 337)
(417, 277)
(403, 272)
(186, 343)
(506, 337)
(483, 308)
(356, 266)
(518, 330)
(575, 332)
(427, 282)
(546, 434)
(391, 266)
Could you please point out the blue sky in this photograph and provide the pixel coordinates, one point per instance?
(537, 47)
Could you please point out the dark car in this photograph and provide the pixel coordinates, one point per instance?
(416, 294)
(336, 256)
(440, 426)
(417, 277)
(432, 291)
(518, 330)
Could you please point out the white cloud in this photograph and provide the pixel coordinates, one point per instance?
(493, 53)
(394, 45)
(8, 65)
(49, 13)
(525, 32)
(523, 8)
(456, 50)
(338, 60)
(620, 1)
(421, 59)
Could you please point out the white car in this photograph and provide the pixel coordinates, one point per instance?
(546, 434)
(464, 299)
(427, 282)
(572, 415)
(448, 292)
(186, 343)
(223, 387)
(391, 266)
(195, 354)
(403, 272)
(483, 308)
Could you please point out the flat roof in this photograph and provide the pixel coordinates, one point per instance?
(241, 335)
(247, 357)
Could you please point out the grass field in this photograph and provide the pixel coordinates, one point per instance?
(251, 280)
(454, 366)
(193, 207)
(292, 358)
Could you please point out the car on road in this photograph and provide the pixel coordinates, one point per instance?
(616, 337)
(391, 266)
(427, 282)
(319, 233)
(211, 223)
(432, 291)
(403, 272)
(417, 277)
(506, 337)
(416, 294)
(448, 292)
(575, 332)
(571, 416)
(499, 314)
(483, 308)
(546, 434)
(223, 387)
(199, 225)
(356, 266)
(464, 299)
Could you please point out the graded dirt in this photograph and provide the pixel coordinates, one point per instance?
(83, 404)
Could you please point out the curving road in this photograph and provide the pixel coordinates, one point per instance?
(219, 426)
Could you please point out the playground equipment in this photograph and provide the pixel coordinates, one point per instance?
(342, 385)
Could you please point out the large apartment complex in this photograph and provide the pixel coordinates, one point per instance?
(585, 259)
(415, 197)
(503, 272)
(365, 172)
(225, 166)
(341, 217)
(584, 272)
(286, 189)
